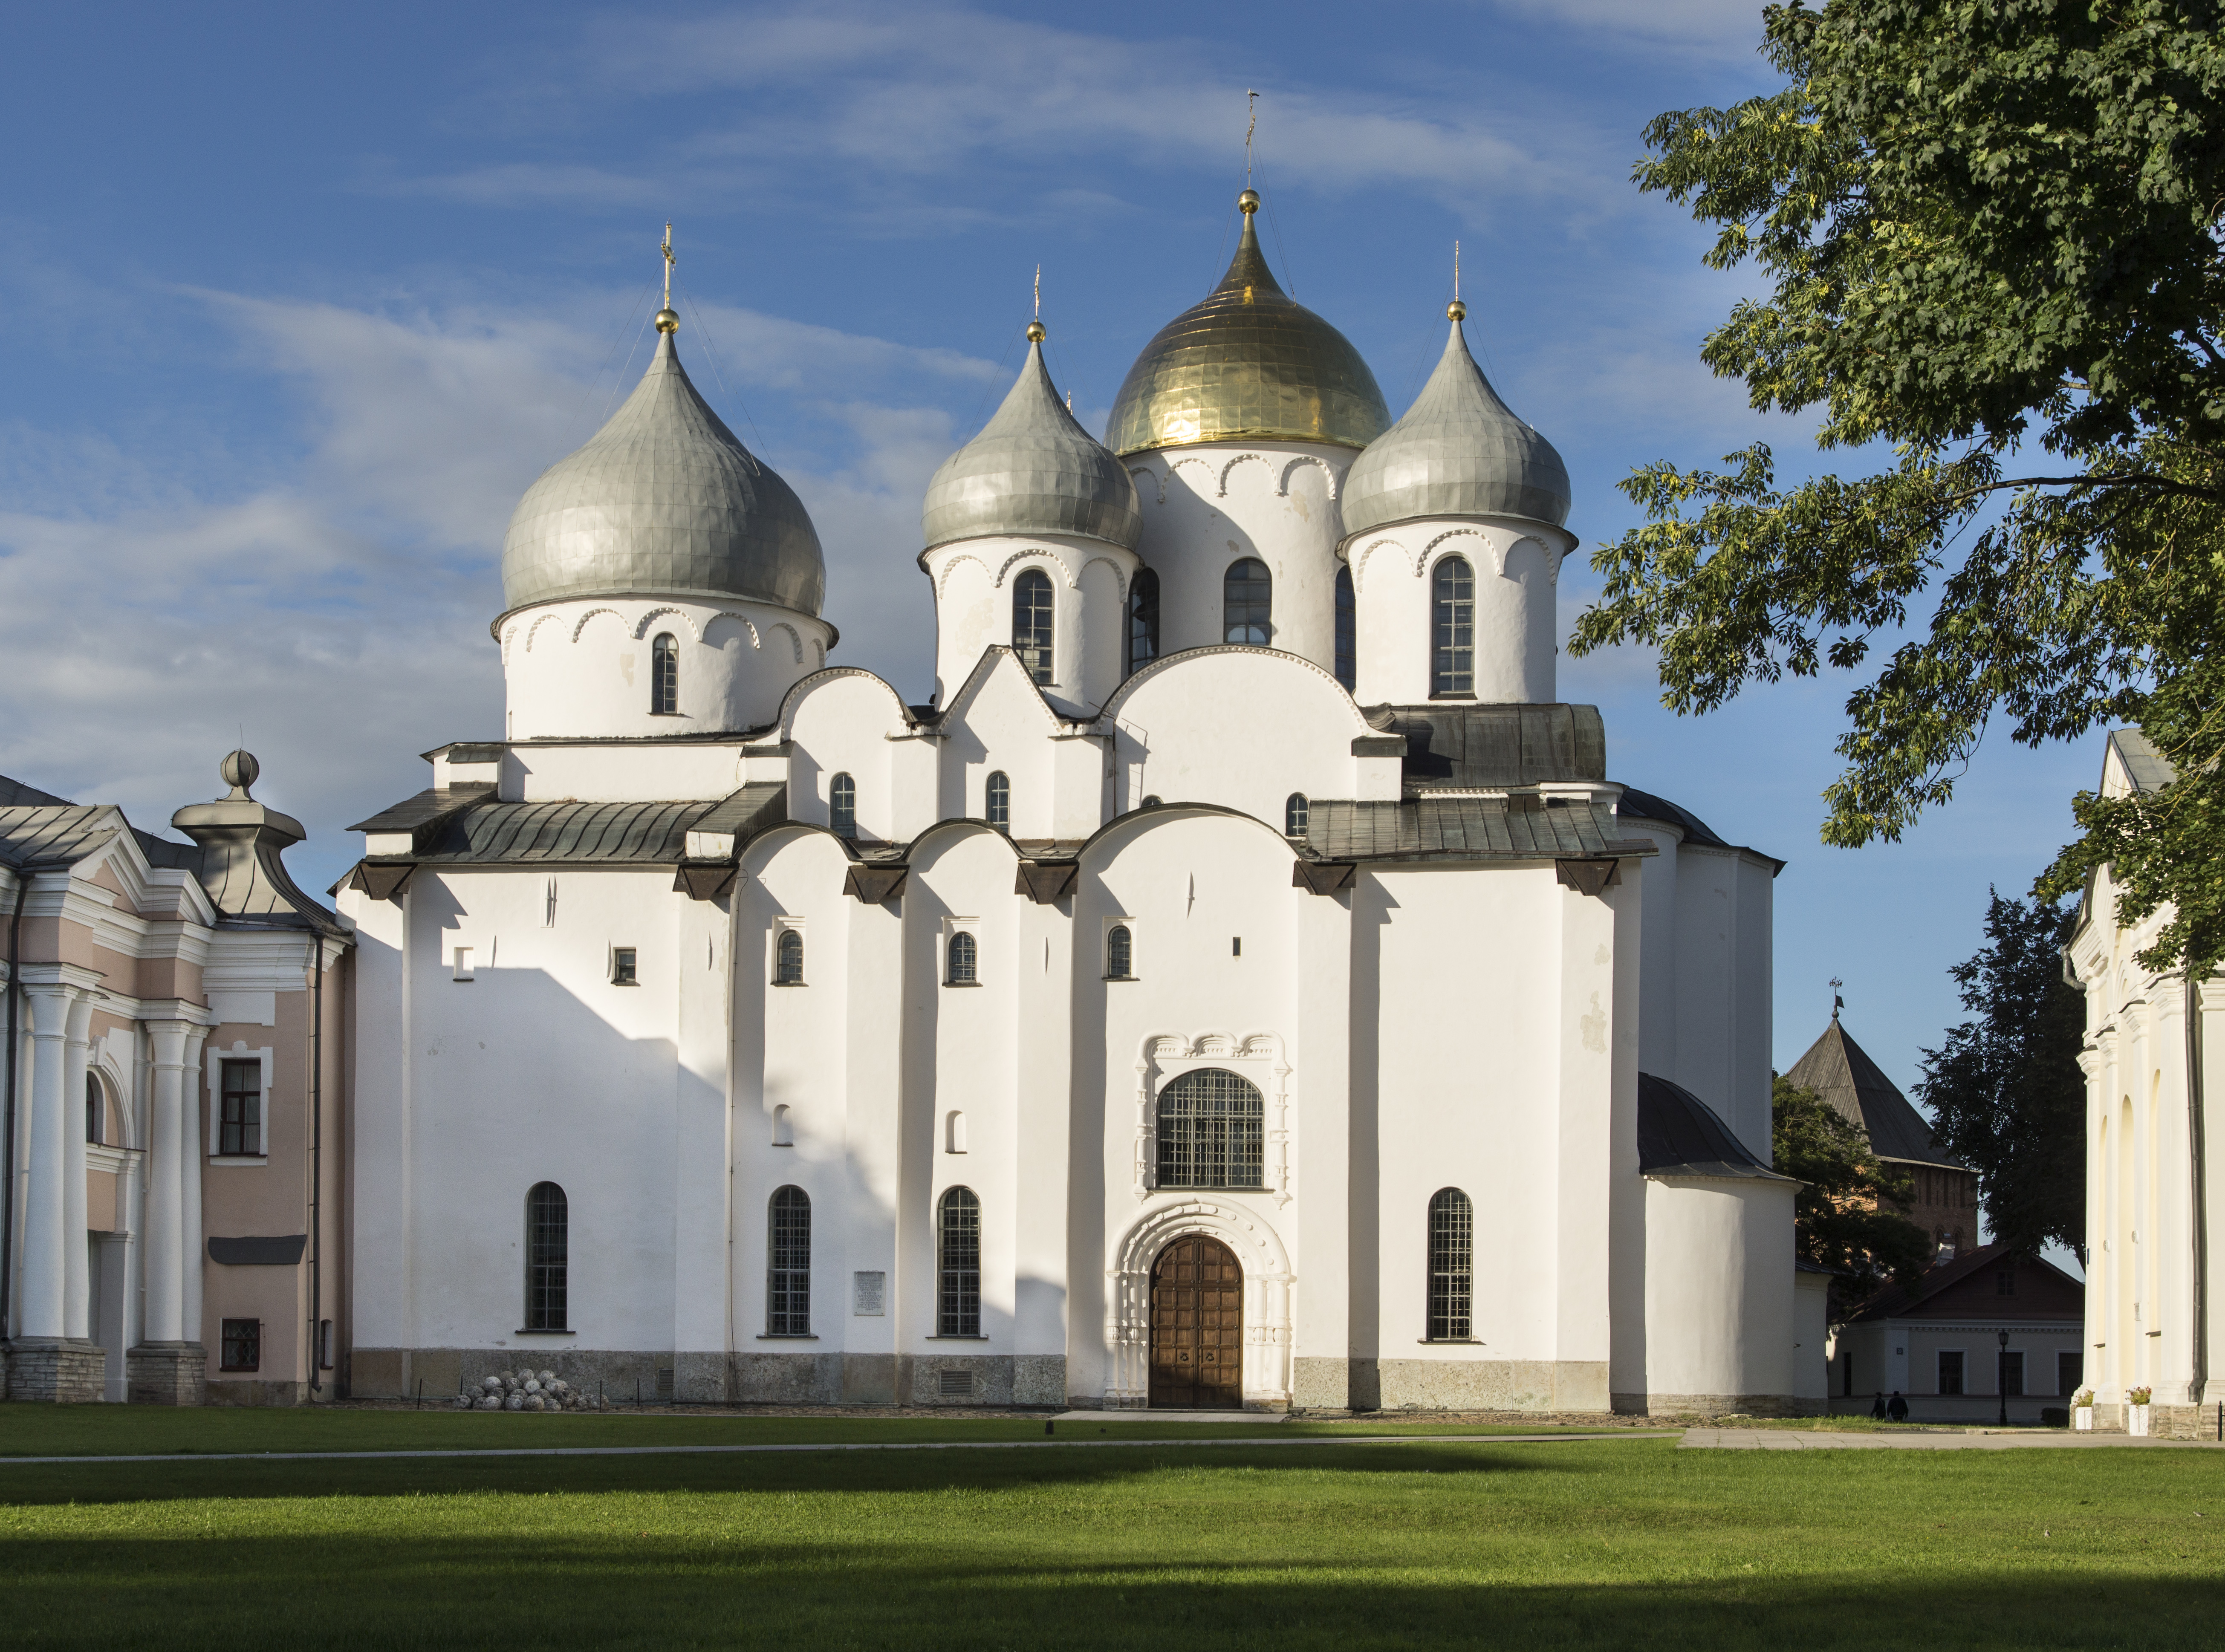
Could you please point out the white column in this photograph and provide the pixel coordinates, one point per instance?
(45, 1271)
(165, 1184)
(77, 1298)
(190, 1164)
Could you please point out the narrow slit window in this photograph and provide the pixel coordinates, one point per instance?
(1120, 953)
(1452, 1266)
(1143, 620)
(842, 806)
(548, 1259)
(1453, 672)
(998, 799)
(1347, 632)
(94, 1112)
(1247, 592)
(240, 1113)
(788, 1265)
(1296, 813)
(963, 961)
(788, 959)
(1031, 624)
(958, 1245)
(665, 676)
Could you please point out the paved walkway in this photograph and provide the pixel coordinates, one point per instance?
(1969, 1439)
(1061, 1443)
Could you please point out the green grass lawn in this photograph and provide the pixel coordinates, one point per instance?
(1611, 1543)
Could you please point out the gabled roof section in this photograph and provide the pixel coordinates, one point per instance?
(2146, 768)
(1635, 805)
(1454, 744)
(55, 834)
(1840, 1071)
(1679, 1135)
(1900, 1302)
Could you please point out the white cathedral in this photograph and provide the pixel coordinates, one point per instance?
(1240, 984)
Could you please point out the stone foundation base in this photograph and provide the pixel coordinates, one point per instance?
(774, 1373)
(1716, 1405)
(2164, 1421)
(166, 1373)
(254, 1391)
(57, 1371)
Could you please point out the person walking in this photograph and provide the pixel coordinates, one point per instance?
(1896, 1407)
(1878, 1410)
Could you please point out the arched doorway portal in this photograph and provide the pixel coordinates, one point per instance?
(1197, 1327)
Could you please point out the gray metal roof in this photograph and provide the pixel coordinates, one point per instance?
(1840, 1071)
(662, 501)
(1645, 805)
(648, 833)
(1465, 744)
(55, 833)
(1459, 451)
(1458, 828)
(1680, 1135)
(2151, 771)
(1032, 470)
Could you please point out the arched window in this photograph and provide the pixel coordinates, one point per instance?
(1347, 631)
(1296, 813)
(94, 1123)
(547, 1257)
(1247, 592)
(961, 959)
(958, 1254)
(1142, 620)
(1031, 624)
(1451, 1265)
(788, 959)
(842, 806)
(1454, 669)
(997, 795)
(1212, 1125)
(1120, 953)
(788, 1264)
(665, 676)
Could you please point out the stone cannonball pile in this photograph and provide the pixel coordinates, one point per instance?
(524, 1390)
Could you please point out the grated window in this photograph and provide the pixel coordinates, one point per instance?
(1454, 672)
(1248, 591)
(665, 676)
(842, 806)
(999, 798)
(1211, 1130)
(1119, 953)
(1142, 620)
(788, 959)
(1347, 632)
(243, 1346)
(1031, 624)
(958, 1244)
(962, 959)
(239, 1114)
(1296, 813)
(548, 1259)
(788, 1265)
(1452, 1266)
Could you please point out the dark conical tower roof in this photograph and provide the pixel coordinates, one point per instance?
(1840, 1071)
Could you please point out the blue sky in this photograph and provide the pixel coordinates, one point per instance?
(295, 301)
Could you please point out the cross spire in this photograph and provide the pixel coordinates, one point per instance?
(667, 319)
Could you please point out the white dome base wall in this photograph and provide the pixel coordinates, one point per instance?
(1212, 504)
(582, 669)
(1089, 581)
(1720, 1316)
(1516, 566)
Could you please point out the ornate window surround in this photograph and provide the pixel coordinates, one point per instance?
(1161, 1058)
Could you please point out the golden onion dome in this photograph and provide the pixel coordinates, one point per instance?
(1248, 362)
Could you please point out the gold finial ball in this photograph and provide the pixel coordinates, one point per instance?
(667, 320)
(238, 770)
(1249, 200)
(1456, 310)
(1037, 333)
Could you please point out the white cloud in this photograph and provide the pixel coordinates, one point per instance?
(1715, 28)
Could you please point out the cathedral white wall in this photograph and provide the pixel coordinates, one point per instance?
(1720, 1321)
(998, 723)
(582, 668)
(1515, 566)
(851, 722)
(973, 580)
(1210, 505)
(563, 771)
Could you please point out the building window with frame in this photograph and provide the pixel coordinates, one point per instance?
(964, 960)
(788, 1264)
(239, 1110)
(1347, 631)
(2070, 1370)
(958, 1255)
(788, 959)
(1211, 1131)
(1031, 624)
(1950, 1370)
(2011, 1373)
(1452, 672)
(96, 1115)
(996, 800)
(625, 966)
(2005, 1282)
(1143, 620)
(1452, 1266)
(548, 1259)
(1120, 953)
(842, 806)
(1296, 811)
(665, 676)
(243, 1346)
(1247, 603)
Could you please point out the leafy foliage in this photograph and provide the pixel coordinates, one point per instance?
(1840, 1219)
(2006, 1092)
(1993, 232)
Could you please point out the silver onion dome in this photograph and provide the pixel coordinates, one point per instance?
(1459, 451)
(662, 501)
(1032, 470)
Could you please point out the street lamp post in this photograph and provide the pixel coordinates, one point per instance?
(2001, 1375)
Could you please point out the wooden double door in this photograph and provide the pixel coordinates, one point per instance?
(1197, 1328)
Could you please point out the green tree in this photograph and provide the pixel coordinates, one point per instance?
(1992, 230)
(2005, 1092)
(1841, 1217)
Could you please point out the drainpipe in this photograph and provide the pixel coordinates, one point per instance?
(316, 1161)
(14, 1061)
(2198, 1374)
